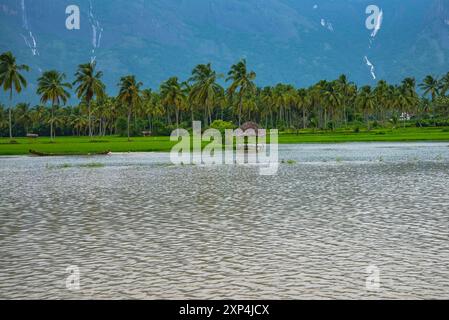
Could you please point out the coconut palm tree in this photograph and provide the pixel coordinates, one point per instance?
(267, 109)
(250, 105)
(409, 96)
(38, 115)
(345, 87)
(173, 96)
(444, 84)
(147, 105)
(242, 81)
(89, 85)
(205, 91)
(152, 106)
(382, 96)
(403, 100)
(22, 116)
(3, 118)
(79, 122)
(305, 102)
(318, 102)
(333, 99)
(366, 101)
(99, 111)
(291, 102)
(11, 79)
(278, 99)
(129, 95)
(431, 86)
(51, 87)
(59, 118)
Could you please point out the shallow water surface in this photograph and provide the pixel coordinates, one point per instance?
(138, 227)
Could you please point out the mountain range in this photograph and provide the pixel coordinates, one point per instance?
(290, 41)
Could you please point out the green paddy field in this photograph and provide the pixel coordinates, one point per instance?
(86, 145)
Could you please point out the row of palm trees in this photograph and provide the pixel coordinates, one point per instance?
(325, 105)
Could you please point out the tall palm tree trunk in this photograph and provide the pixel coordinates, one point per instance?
(51, 121)
(168, 117)
(325, 118)
(129, 120)
(10, 123)
(345, 117)
(210, 115)
(367, 121)
(303, 118)
(10, 114)
(240, 111)
(90, 118)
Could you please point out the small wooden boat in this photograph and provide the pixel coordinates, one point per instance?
(43, 154)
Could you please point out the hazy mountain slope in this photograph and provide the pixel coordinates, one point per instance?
(283, 40)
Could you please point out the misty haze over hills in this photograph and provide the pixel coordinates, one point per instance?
(291, 41)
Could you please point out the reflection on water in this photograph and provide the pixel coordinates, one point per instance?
(139, 227)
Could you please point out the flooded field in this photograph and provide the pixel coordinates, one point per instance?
(137, 226)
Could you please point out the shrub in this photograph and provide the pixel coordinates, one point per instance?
(222, 125)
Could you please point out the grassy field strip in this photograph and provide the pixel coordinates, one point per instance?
(84, 145)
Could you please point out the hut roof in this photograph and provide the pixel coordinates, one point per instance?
(250, 129)
(250, 125)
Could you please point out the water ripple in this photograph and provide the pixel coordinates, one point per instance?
(141, 228)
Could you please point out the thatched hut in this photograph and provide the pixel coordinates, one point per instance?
(250, 129)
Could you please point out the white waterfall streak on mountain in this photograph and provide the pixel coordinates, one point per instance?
(24, 15)
(29, 38)
(378, 24)
(97, 31)
(327, 25)
(372, 68)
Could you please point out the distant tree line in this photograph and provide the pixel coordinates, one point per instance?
(326, 105)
